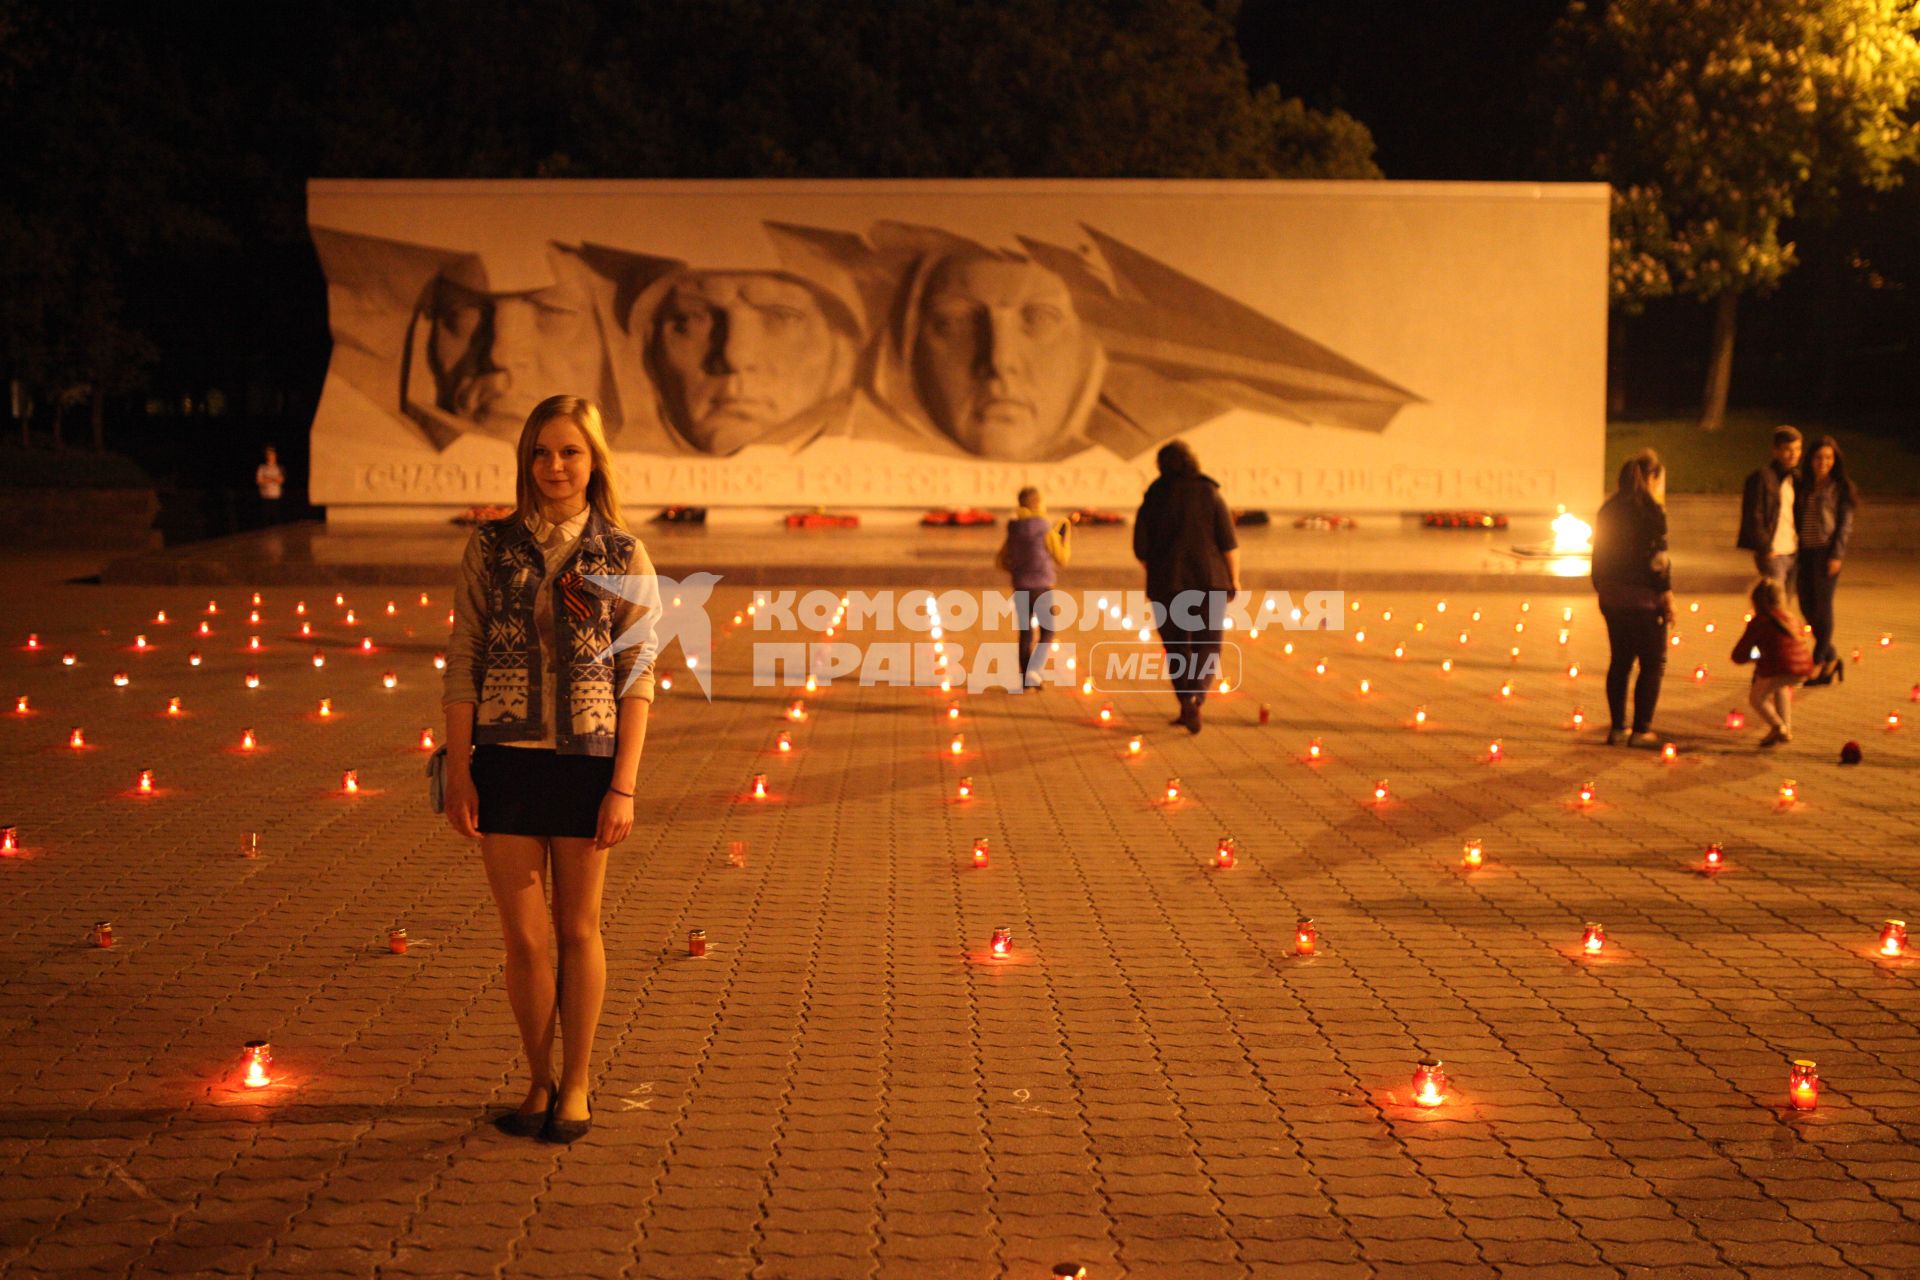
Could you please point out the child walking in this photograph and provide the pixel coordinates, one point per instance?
(1036, 547)
(1780, 658)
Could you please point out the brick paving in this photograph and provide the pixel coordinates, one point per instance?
(848, 1085)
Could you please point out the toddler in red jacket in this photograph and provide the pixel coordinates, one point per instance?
(1780, 658)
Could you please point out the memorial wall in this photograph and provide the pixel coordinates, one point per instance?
(1341, 346)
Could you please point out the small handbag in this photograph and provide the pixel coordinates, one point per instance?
(437, 779)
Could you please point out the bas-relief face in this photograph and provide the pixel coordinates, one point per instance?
(1000, 358)
(496, 355)
(738, 354)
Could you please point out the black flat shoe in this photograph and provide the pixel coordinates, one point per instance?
(527, 1124)
(564, 1131)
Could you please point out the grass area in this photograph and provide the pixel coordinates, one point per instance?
(68, 469)
(1697, 462)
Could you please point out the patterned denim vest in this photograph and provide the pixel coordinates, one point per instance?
(583, 621)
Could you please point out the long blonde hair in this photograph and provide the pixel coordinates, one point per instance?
(603, 492)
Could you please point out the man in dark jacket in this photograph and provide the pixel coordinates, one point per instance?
(1767, 511)
(1183, 535)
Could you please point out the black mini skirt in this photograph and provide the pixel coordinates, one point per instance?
(536, 791)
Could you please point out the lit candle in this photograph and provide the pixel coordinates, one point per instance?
(253, 643)
(1086, 686)
(119, 679)
(350, 782)
(423, 600)
(391, 609)
(1735, 719)
(253, 618)
(9, 840)
(1593, 940)
(103, 933)
(326, 706)
(1669, 752)
(256, 598)
(1419, 715)
(389, 679)
(397, 941)
(300, 607)
(1506, 689)
(1441, 606)
(206, 629)
(1586, 793)
(1463, 637)
(426, 738)
(1893, 938)
(1573, 671)
(1699, 674)
(439, 662)
(1789, 791)
(1446, 665)
(666, 684)
(1893, 719)
(1803, 1085)
(1306, 938)
(160, 616)
(965, 789)
(1366, 686)
(1513, 654)
(67, 659)
(146, 782)
(1360, 637)
(253, 679)
(1493, 752)
(140, 642)
(246, 739)
(1002, 944)
(1715, 858)
(1314, 749)
(366, 644)
(953, 711)
(1399, 651)
(980, 854)
(1173, 790)
(255, 1061)
(1886, 641)
(1223, 855)
(1106, 713)
(339, 598)
(783, 743)
(759, 786)
(1579, 717)
(319, 659)
(1287, 648)
(350, 618)
(1429, 1083)
(796, 710)
(306, 628)
(1133, 745)
(20, 705)
(696, 943)
(250, 845)
(213, 606)
(1380, 789)
(812, 685)
(1476, 615)
(1320, 667)
(1471, 855)
(77, 738)
(958, 744)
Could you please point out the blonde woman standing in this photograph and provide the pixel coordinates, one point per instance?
(544, 732)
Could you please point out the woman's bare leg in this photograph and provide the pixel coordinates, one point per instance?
(516, 871)
(579, 876)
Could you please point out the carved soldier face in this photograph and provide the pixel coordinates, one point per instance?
(495, 356)
(738, 354)
(1000, 359)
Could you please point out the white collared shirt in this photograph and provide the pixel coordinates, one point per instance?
(1786, 540)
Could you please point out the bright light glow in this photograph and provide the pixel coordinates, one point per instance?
(1571, 535)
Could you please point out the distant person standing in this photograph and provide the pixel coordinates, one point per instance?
(1183, 535)
(1633, 578)
(1767, 510)
(1036, 547)
(271, 481)
(1825, 522)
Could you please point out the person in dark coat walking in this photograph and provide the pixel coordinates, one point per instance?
(1183, 535)
(1826, 499)
(1634, 580)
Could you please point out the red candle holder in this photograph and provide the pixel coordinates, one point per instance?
(256, 598)
(306, 628)
(424, 600)
(256, 1062)
(145, 785)
(965, 789)
(1314, 750)
(9, 840)
(250, 845)
(193, 658)
(1506, 689)
(1669, 752)
(1699, 674)
(77, 737)
(366, 644)
(1366, 686)
(1893, 719)
(120, 680)
(20, 705)
(350, 782)
(1419, 715)
(796, 710)
(326, 707)
(1493, 752)
(1002, 943)
(426, 739)
(1893, 938)
(1069, 1271)
(1789, 792)
(1306, 938)
(1715, 858)
(246, 740)
(102, 933)
(140, 642)
(253, 644)
(1134, 744)
(953, 711)
(1429, 1083)
(392, 608)
(958, 745)
(1803, 1085)
(1586, 794)
(389, 679)
(1266, 713)
(784, 743)
(1320, 667)
(173, 706)
(1472, 855)
(439, 662)
(980, 853)
(1106, 713)
(1380, 789)
(319, 660)
(1173, 790)
(33, 639)
(1579, 717)
(350, 619)
(339, 598)
(68, 658)
(737, 853)
(759, 786)
(300, 608)
(253, 679)
(397, 941)
(206, 628)
(1735, 720)
(1573, 671)
(1086, 686)
(1223, 856)
(696, 943)
(1593, 939)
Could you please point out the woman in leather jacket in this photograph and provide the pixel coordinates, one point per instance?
(1824, 500)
